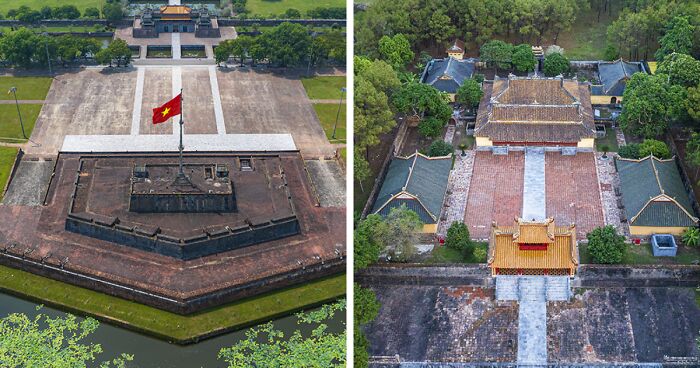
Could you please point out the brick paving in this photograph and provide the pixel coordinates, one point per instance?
(572, 191)
(457, 191)
(609, 180)
(495, 193)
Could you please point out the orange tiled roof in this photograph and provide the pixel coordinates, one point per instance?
(534, 232)
(175, 10)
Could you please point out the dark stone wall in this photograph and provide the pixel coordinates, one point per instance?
(438, 275)
(185, 249)
(190, 203)
(275, 22)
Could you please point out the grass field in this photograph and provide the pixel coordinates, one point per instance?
(164, 324)
(7, 158)
(10, 129)
(324, 88)
(443, 254)
(609, 140)
(28, 88)
(326, 114)
(277, 7)
(642, 254)
(6, 5)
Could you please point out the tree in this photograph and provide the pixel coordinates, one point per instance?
(440, 148)
(440, 28)
(469, 93)
(458, 237)
(430, 127)
(287, 44)
(680, 69)
(266, 346)
(366, 305)
(366, 241)
(524, 58)
(222, 52)
(291, 14)
(555, 64)
(65, 12)
(650, 104)
(374, 82)
(119, 50)
(396, 51)
(630, 150)
(400, 233)
(19, 47)
(694, 102)
(678, 38)
(653, 147)
(91, 12)
(692, 153)
(113, 12)
(422, 100)
(361, 169)
(497, 54)
(605, 245)
(34, 342)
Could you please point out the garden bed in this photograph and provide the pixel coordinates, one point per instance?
(159, 52)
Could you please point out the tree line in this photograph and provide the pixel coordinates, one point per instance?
(287, 45)
(112, 10)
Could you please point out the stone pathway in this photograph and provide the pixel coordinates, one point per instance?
(450, 134)
(608, 180)
(532, 321)
(175, 46)
(177, 89)
(326, 101)
(218, 111)
(620, 136)
(534, 205)
(457, 191)
(138, 100)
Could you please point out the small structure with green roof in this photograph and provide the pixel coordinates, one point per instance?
(419, 182)
(654, 196)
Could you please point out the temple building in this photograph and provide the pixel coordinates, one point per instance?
(175, 18)
(533, 248)
(448, 74)
(418, 182)
(654, 196)
(613, 77)
(535, 111)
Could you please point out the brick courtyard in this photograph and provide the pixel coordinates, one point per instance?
(496, 191)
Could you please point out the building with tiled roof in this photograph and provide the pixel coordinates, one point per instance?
(654, 196)
(448, 74)
(457, 50)
(535, 111)
(418, 182)
(613, 77)
(174, 19)
(533, 248)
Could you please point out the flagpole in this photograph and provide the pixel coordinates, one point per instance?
(182, 147)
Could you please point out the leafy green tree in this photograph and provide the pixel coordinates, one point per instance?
(440, 28)
(680, 69)
(374, 82)
(693, 104)
(691, 237)
(650, 104)
(223, 51)
(266, 346)
(291, 14)
(43, 341)
(678, 38)
(240, 46)
(396, 51)
(555, 64)
(65, 12)
(361, 169)
(422, 100)
(440, 148)
(430, 127)
(400, 233)
(653, 147)
(19, 47)
(458, 237)
(287, 44)
(366, 305)
(366, 241)
(469, 93)
(113, 12)
(630, 150)
(91, 12)
(692, 153)
(361, 350)
(497, 54)
(605, 245)
(523, 58)
(480, 253)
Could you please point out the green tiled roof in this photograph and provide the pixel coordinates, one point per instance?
(422, 177)
(642, 180)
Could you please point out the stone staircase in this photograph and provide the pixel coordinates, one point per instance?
(507, 288)
(533, 288)
(558, 288)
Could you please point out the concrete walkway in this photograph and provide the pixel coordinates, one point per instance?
(175, 46)
(532, 322)
(534, 207)
(326, 101)
(177, 89)
(138, 99)
(218, 110)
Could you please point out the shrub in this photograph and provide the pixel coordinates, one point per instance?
(629, 151)
(555, 64)
(479, 78)
(480, 254)
(653, 147)
(458, 237)
(440, 148)
(430, 127)
(605, 245)
(691, 237)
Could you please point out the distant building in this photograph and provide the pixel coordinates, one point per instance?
(175, 18)
(654, 196)
(418, 182)
(613, 79)
(534, 111)
(533, 248)
(448, 74)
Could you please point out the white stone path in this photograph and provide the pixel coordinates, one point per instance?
(177, 89)
(175, 46)
(457, 191)
(218, 111)
(138, 98)
(534, 206)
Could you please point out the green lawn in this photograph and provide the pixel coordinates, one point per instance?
(277, 7)
(327, 115)
(587, 37)
(443, 254)
(7, 158)
(324, 88)
(609, 140)
(28, 88)
(642, 254)
(6, 5)
(10, 129)
(165, 324)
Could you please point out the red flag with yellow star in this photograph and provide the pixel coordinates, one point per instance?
(168, 110)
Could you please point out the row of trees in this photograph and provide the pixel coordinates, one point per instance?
(112, 10)
(285, 45)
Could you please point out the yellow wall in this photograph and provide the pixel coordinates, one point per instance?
(430, 228)
(586, 143)
(456, 55)
(483, 142)
(603, 100)
(649, 230)
(452, 97)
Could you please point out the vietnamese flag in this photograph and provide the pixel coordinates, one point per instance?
(167, 111)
